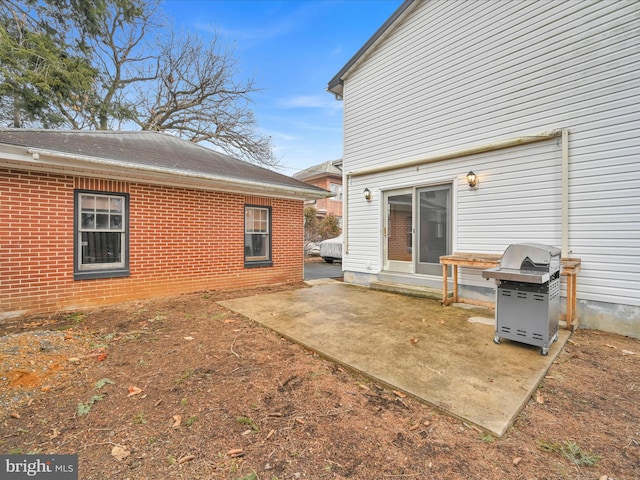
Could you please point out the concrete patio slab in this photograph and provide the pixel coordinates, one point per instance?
(453, 364)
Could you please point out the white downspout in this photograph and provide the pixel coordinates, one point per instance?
(473, 150)
(565, 194)
(345, 213)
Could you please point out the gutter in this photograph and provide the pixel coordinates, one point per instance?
(438, 157)
(487, 147)
(168, 176)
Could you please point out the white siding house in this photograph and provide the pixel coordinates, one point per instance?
(541, 99)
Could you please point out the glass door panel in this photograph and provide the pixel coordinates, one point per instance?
(433, 228)
(398, 231)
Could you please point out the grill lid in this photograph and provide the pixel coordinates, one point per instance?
(526, 262)
(528, 256)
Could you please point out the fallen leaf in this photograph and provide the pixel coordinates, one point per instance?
(119, 453)
(102, 357)
(610, 346)
(628, 352)
(54, 434)
(177, 421)
(228, 320)
(364, 387)
(413, 340)
(300, 420)
(270, 434)
(186, 458)
(134, 391)
(186, 338)
(539, 398)
(74, 360)
(400, 394)
(15, 415)
(236, 452)
(517, 460)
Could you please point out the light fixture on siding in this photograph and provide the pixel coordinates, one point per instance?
(472, 179)
(367, 194)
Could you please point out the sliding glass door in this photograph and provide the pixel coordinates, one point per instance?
(417, 229)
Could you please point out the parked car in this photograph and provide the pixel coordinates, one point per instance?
(312, 249)
(331, 249)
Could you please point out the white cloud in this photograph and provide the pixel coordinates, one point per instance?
(324, 101)
(276, 20)
(243, 34)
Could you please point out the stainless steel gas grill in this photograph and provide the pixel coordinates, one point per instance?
(527, 294)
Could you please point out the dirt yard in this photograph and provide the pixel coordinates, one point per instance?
(183, 388)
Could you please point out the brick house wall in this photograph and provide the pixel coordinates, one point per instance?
(328, 205)
(181, 240)
(399, 240)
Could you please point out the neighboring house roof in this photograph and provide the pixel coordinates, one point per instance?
(147, 157)
(337, 82)
(324, 169)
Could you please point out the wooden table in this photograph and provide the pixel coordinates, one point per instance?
(570, 269)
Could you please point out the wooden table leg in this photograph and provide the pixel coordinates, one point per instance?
(574, 289)
(571, 300)
(445, 285)
(455, 284)
(569, 317)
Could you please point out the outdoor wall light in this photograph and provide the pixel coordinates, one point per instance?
(367, 194)
(472, 179)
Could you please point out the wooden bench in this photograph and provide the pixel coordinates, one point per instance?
(570, 269)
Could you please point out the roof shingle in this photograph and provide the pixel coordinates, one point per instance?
(152, 150)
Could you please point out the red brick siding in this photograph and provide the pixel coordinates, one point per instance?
(180, 240)
(328, 205)
(399, 239)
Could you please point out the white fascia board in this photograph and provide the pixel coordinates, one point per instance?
(59, 162)
(336, 84)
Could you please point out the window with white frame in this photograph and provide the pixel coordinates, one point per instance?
(336, 188)
(101, 237)
(257, 235)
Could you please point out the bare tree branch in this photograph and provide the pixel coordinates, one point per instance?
(198, 98)
(178, 85)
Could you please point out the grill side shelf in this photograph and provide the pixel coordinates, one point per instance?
(516, 275)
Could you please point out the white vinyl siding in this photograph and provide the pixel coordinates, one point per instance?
(511, 205)
(460, 74)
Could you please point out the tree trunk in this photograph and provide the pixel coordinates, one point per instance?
(17, 118)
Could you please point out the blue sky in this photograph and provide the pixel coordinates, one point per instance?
(292, 48)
